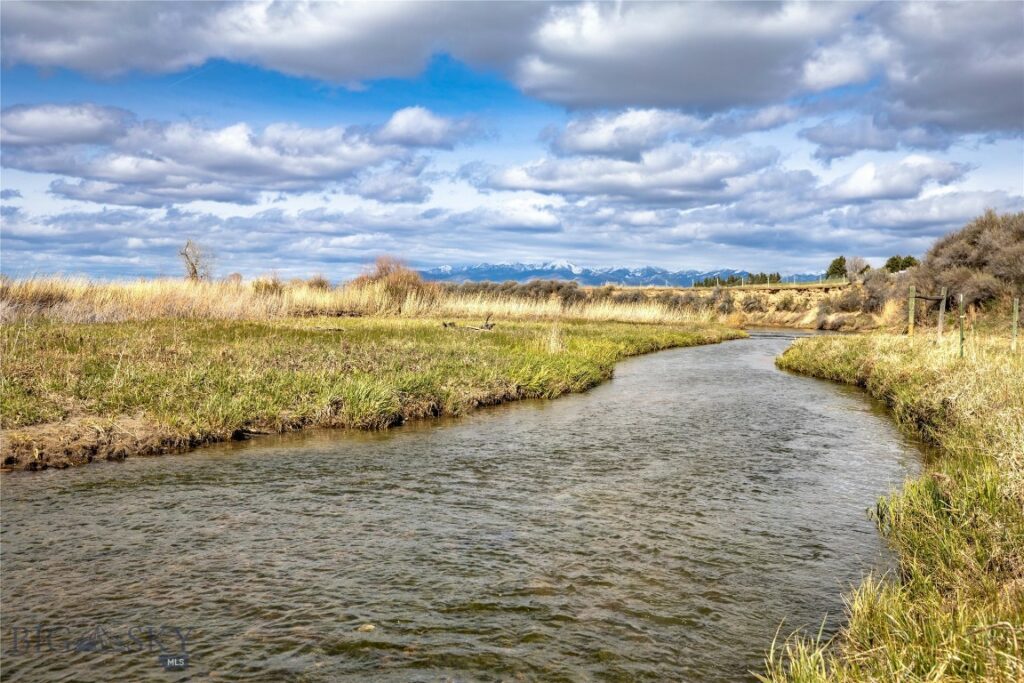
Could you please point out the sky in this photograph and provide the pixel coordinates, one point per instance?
(309, 138)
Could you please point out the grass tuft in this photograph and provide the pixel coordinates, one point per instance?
(954, 611)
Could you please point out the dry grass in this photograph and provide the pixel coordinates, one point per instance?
(955, 609)
(77, 300)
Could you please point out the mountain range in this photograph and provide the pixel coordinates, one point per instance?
(563, 270)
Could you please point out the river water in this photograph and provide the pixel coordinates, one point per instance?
(660, 527)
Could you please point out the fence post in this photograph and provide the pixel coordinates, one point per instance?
(942, 315)
(1016, 319)
(961, 298)
(910, 312)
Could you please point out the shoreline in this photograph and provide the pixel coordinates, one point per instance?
(955, 607)
(531, 360)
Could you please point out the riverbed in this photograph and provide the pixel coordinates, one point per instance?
(659, 527)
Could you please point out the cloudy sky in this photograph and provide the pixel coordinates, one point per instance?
(302, 138)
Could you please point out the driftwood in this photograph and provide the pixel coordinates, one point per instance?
(486, 327)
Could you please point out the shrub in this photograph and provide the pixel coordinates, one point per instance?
(982, 261)
(722, 301)
(850, 300)
(878, 288)
(787, 302)
(268, 286)
(318, 282)
(397, 279)
(753, 304)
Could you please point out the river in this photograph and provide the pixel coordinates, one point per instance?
(659, 527)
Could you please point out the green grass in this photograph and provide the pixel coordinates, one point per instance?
(194, 381)
(954, 611)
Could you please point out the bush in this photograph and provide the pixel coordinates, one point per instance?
(753, 304)
(722, 301)
(268, 286)
(397, 279)
(850, 300)
(787, 302)
(318, 282)
(879, 287)
(982, 261)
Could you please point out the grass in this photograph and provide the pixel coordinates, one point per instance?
(78, 300)
(75, 392)
(954, 611)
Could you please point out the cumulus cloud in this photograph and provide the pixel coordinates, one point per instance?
(957, 65)
(401, 183)
(10, 194)
(60, 124)
(159, 163)
(840, 139)
(903, 180)
(949, 64)
(419, 127)
(625, 134)
(675, 172)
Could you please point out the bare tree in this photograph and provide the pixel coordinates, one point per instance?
(855, 267)
(197, 261)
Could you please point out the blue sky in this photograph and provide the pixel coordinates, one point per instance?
(309, 138)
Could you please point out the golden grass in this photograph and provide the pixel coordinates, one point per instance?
(78, 300)
(955, 609)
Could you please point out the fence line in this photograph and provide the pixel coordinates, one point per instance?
(913, 296)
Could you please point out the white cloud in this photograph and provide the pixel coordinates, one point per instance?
(56, 124)
(419, 127)
(120, 161)
(903, 180)
(672, 172)
(950, 64)
(840, 139)
(624, 134)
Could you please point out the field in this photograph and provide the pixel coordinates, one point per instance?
(955, 609)
(72, 300)
(74, 392)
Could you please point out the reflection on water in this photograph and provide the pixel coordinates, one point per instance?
(659, 527)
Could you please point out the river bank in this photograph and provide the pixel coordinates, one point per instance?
(658, 527)
(955, 609)
(75, 393)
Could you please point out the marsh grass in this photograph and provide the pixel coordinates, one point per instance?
(954, 611)
(76, 392)
(79, 300)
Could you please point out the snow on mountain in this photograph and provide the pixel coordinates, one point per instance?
(564, 270)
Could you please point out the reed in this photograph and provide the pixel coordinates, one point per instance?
(79, 300)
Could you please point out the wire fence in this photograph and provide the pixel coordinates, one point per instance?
(943, 298)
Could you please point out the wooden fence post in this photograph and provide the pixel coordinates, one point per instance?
(910, 312)
(942, 315)
(1016, 319)
(961, 298)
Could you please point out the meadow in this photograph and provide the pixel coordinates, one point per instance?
(98, 371)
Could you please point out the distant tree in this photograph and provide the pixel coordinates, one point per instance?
(895, 264)
(836, 269)
(856, 266)
(198, 261)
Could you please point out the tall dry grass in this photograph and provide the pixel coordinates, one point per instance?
(80, 300)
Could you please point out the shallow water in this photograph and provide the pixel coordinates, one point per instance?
(659, 527)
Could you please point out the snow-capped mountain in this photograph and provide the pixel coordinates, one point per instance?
(563, 270)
